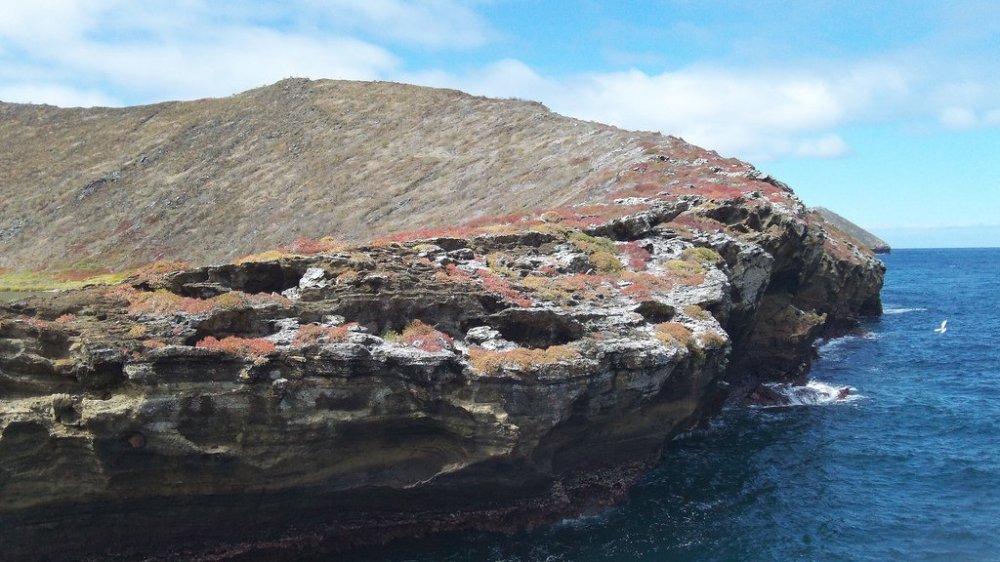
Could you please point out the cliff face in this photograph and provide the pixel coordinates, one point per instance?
(497, 374)
(495, 377)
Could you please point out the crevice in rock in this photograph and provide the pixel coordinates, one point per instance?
(536, 328)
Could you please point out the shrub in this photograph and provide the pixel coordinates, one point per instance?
(494, 283)
(637, 256)
(154, 343)
(643, 285)
(162, 301)
(695, 311)
(489, 361)
(686, 272)
(311, 334)
(592, 244)
(701, 255)
(270, 255)
(713, 340)
(673, 332)
(605, 262)
(252, 348)
(425, 337)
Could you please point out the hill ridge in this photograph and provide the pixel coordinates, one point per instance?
(216, 178)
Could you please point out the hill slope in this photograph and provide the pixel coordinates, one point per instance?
(867, 239)
(213, 179)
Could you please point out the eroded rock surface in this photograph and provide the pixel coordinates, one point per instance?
(493, 376)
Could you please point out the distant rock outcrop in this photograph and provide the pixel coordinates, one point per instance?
(496, 374)
(865, 238)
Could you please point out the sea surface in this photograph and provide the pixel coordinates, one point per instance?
(906, 469)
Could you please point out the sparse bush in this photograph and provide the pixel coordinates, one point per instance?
(490, 362)
(250, 348)
(270, 255)
(425, 337)
(673, 332)
(502, 287)
(695, 311)
(637, 256)
(606, 262)
(701, 255)
(592, 244)
(312, 334)
(713, 340)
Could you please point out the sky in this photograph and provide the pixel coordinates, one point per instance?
(887, 112)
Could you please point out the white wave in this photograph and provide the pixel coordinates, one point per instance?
(825, 347)
(901, 310)
(814, 393)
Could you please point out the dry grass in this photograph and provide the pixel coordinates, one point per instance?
(673, 332)
(211, 180)
(249, 348)
(164, 302)
(490, 362)
(312, 334)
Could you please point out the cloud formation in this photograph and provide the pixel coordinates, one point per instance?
(115, 52)
(63, 52)
(757, 115)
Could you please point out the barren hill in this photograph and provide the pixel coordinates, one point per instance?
(869, 240)
(214, 179)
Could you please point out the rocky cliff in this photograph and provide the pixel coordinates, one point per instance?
(497, 374)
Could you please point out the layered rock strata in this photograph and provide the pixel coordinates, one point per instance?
(497, 375)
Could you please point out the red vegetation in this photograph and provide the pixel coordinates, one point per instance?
(502, 287)
(311, 334)
(638, 257)
(425, 337)
(696, 222)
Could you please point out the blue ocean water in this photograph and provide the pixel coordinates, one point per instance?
(909, 469)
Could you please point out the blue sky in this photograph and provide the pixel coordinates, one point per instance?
(887, 112)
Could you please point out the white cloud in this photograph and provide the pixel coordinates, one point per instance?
(111, 52)
(755, 115)
(55, 94)
(430, 23)
(958, 118)
(826, 146)
(141, 51)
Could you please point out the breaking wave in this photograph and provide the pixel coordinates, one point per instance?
(901, 310)
(814, 393)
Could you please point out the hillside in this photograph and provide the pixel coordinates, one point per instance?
(867, 239)
(214, 179)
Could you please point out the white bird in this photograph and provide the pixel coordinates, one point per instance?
(943, 328)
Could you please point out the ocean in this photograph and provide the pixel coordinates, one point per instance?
(908, 468)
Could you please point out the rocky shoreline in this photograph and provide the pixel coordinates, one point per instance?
(496, 376)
